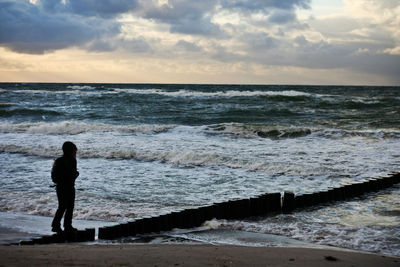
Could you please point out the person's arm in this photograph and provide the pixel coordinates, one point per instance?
(55, 172)
(76, 173)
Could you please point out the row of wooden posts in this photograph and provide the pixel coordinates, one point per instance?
(87, 235)
(262, 205)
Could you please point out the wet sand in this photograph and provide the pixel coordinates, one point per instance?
(184, 255)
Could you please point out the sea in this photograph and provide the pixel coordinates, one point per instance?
(147, 149)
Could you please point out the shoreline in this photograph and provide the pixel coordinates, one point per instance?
(185, 255)
(16, 227)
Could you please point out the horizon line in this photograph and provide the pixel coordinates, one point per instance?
(178, 83)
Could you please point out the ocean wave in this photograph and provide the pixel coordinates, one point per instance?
(7, 104)
(356, 104)
(239, 130)
(65, 92)
(255, 130)
(81, 87)
(187, 158)
(364, 229)
(75, 127)
(30, 91)
(378, 134)
(90, 90)
(178, 157)
(225, 94)
(183, 93)
(371, 239)
(27, 111)
(233, 130)
(39, 151)
(71, 89)
(45, 204)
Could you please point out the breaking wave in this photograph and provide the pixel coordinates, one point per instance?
(81, 87)
(233, 130)
(225, 94)
(364, 230)
(90, 90)
(49, 91)
(45, 204)
(185, 158)
(240, 130)
(74, 127)
(72, 89)
(254, 130)
(188, 158)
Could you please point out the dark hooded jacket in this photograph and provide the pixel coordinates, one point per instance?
(64, 172)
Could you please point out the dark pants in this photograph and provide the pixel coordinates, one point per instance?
(66, 202)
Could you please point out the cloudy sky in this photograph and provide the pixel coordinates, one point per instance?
(201, 41)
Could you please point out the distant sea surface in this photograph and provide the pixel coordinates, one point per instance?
(145, 149)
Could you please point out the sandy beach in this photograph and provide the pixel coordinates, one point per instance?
(184, 255)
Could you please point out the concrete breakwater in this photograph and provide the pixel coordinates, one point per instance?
(262, 205)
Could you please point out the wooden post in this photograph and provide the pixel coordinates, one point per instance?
(90, 234)
(288, 203)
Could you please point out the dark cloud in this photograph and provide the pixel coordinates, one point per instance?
(382, 64)
(30, 28)
(282, 17)
(300, 52)
(258, 5)
(96, 8)
(178, 9)
(186, 16)
(50, 25)
(195, 17)
(200, 26)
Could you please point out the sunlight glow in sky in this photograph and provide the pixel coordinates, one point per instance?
(208, 41)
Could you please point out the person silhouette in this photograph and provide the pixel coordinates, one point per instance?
(64, 173)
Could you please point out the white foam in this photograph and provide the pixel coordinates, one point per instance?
(81, 87)
(75, 127)
(72, 89)
(48, 91)
(97, 208)
(226, 94)
(86, 90)
(257, 130)
(40, 151)
(355, 224)
(369, 239)
(190, 147)
(193, 158)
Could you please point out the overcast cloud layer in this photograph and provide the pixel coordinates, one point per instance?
(264, 32)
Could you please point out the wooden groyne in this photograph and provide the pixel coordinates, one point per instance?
(265, 204)
(87, 235)
(189, 218)
(262, 205)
